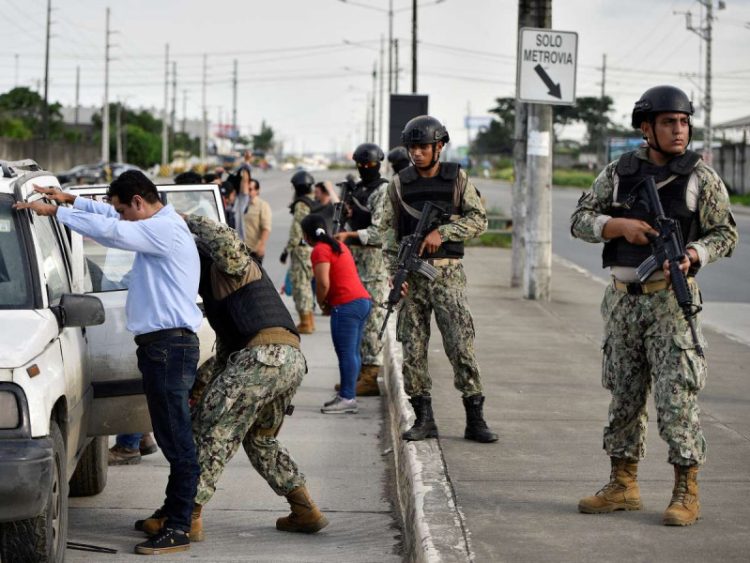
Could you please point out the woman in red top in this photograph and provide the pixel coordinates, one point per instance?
(341, 294)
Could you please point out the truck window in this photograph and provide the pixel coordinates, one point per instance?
(15, 287)
(53, 261)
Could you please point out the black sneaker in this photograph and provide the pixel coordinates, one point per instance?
(166, 541)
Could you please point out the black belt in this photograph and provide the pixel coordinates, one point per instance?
(149, 337)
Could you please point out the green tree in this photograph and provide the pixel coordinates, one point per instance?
(498, 137)
(592, 112)
(263, 141)
(22, 111)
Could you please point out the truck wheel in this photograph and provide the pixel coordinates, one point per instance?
(90, 476)
(44, 537)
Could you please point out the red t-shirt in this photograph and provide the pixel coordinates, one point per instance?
(345, 285)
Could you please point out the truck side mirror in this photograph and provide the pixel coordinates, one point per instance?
(78, 311)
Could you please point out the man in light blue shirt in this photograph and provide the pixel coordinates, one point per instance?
(163, 316)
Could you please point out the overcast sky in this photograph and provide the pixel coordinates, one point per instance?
(301, 70)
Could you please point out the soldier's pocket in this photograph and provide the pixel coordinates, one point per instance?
(271, 356)
(608, 368)
(693, 369)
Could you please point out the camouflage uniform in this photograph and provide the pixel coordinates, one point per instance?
(371, 269)
(300, 268)
(244, 393)
(446, 295)
(647, 340)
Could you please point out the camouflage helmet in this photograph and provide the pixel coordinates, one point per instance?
(368, 152)
(399, 158)
(660, 99)
(423, 130)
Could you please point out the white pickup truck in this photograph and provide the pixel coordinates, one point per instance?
(68, 371)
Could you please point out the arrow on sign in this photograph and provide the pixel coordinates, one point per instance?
(554, 89)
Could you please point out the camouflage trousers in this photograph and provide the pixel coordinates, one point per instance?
(374, 276)
(300, 272)
(446, 295)
(648, 343)
(245, 403)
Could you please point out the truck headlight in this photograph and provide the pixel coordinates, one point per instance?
(10, 416)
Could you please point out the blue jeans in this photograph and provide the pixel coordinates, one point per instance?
(130, 441)
(347, 325)
(168, 366)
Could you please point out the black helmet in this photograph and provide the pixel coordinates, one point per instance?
(660, 99)
(423, 130)
(368, 152)
(399, 158)
(303, 179)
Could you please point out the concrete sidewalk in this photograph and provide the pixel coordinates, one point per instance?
(516, 500)
(347, 475)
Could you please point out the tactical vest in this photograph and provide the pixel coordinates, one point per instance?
(302, 198)
(440, 190)
(239, 316)
(361, 214)
(631, 204)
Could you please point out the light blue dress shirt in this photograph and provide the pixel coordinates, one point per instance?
(163, 284)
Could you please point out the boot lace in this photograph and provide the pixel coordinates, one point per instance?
(680, 491)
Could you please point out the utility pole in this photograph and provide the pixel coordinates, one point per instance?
(374, 97)
(118, 132)
(184, 110)
(234, 105)
(16, 80)
(173, 113)
(390, 46)
(105, 107)
(538, 224)
(46, 72)
(165, 113)
(396, 70)
(603, 141)
(706, 34)
(204, 125)
(368, 136)
(414, 47)
(380, 93)
(78, 91)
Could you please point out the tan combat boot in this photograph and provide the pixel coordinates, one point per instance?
(305, 516)
(621, 493)
(306, 323)
(684, 508)
(367, 384)
(153, 525)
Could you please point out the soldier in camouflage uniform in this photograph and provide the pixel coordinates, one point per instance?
(647, 339)
(447, 186)
(365, 214)
(300, 270)
(258, 368)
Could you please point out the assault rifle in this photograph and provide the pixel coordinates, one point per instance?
(668, 245)
(339, 209)
(409, 260)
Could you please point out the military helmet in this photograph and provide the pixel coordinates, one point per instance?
(368, 152)
(423, 130)
(303, 179)
(399, 158)
(660, 99)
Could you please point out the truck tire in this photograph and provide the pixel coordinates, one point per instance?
(90, 476)
(44, 537)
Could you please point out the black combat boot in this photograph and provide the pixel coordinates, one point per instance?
(424, 425)
(476, 427)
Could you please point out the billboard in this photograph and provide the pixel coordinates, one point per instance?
(403, 108)
(617, 146)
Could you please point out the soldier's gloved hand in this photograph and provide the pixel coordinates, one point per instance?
(283, 257)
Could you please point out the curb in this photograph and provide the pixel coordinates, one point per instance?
(434, 529)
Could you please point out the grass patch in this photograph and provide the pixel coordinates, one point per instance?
(740, 199)
(574, 178)
(495, 240)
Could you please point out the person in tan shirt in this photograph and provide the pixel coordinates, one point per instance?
(256, 220)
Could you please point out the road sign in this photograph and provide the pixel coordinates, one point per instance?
(546, 68)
